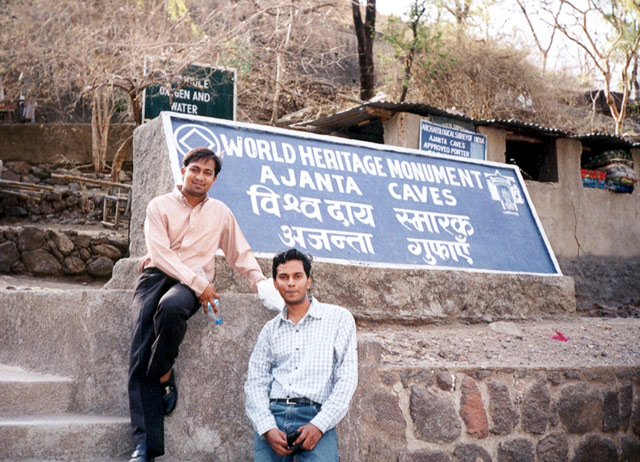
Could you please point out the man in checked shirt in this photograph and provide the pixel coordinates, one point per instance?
(303, 371)
(183, 229)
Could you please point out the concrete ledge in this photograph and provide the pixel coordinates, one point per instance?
(412, 297)
(64, 437)
(25, 392)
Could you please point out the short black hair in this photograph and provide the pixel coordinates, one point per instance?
(292, 254)
(202, 153)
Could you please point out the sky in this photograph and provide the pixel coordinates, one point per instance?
(396, 7)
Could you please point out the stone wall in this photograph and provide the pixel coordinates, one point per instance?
(604, 283)
(44, 143)
(494, 414)
(70, 202)
(41, 252)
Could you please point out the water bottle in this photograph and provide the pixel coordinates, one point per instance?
(217, 317)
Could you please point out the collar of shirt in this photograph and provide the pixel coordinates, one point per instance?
(314, 311)
(177, 194)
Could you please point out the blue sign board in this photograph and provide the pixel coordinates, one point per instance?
(347, 201)
(451, 141)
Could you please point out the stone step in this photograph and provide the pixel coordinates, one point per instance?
(30, 393)
(64, 437)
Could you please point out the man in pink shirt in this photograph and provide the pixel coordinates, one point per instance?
(183, 229)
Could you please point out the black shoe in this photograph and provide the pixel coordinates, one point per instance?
(169, 394)
(140, 454)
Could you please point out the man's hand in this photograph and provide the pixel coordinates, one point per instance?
(207, 297)
(277, 439)
(309, 436)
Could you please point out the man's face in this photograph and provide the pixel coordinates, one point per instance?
(198, 177)
(292, 282)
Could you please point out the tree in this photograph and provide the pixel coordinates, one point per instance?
(365, 32)
(554, 9)
(92, 49)
(97, 50)
(421, 47)
(608, 32)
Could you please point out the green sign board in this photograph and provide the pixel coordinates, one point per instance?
(209, 92)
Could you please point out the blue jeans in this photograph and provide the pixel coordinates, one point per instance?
(290, 417)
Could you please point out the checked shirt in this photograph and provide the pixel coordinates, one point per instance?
(315, 359)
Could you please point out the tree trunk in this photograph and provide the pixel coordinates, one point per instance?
(136, 106)
(634, 79)
(101, 111)
(365, 32)
(118, 159)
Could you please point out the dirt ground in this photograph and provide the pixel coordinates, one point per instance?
(592, 342)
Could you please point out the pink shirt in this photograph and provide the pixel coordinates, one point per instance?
(181, 238)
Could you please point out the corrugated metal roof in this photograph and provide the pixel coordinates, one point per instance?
(369, 112)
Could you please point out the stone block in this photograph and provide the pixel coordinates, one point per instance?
(580, 409)
(9, 254)
(434, 418)
(553, 448)
(629, 449)
(73, 265)
(41, 263)
(626, 404)
(446, 380)
(471, 453)
(100, 267)
(82, 240)
(516, 450)
(596, 448)
(635, 417)
(107, 250)
(30, 238)
(424, 456)
(370, 293)
(504, 415)
(62, 242)
(472, 410)
(610, 411)
(424, 378)
(387, 408)
(535, 409)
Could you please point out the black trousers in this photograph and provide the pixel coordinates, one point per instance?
(164, 306)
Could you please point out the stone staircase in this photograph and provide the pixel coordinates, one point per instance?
(37, 422)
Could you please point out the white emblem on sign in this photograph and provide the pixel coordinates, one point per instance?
(505, 190)
(191, 136)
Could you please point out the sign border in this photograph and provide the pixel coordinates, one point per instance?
(167, 116)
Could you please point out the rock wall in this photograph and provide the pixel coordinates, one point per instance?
(41, 252)
(70, 202)
(603, 282)
(492, 414)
